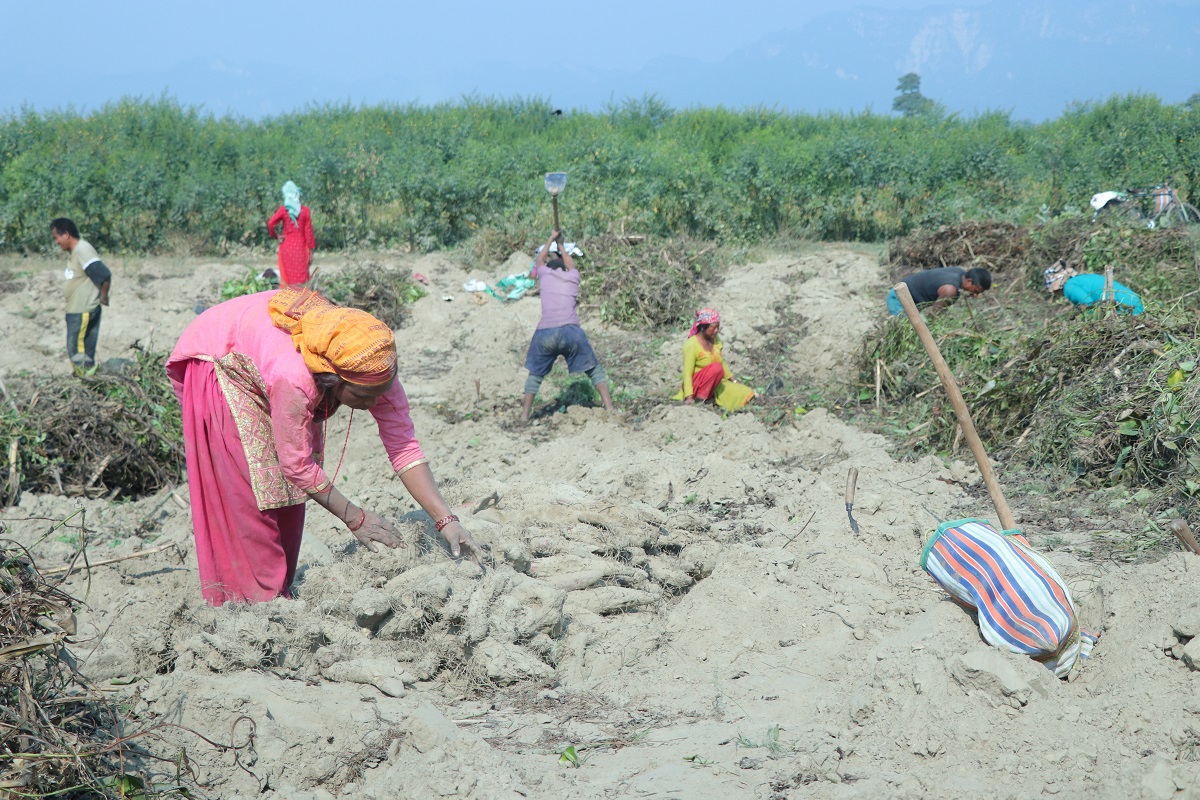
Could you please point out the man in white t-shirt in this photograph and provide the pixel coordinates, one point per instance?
(85, 284)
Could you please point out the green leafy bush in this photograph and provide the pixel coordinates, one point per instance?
(138, 172)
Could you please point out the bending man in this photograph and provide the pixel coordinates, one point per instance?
(940, 286)
(1086, 289)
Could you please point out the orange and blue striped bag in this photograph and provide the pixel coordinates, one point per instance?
(1022, 603)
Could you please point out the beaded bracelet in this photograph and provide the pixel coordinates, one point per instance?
(444, 521)
(360, 522)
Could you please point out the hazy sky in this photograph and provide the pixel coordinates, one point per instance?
(256, 58)
(364, 38)
(137, 34)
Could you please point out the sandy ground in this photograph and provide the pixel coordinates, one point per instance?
(675, 594)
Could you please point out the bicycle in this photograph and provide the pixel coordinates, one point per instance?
(1168, 209)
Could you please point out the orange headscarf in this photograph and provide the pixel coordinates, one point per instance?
(350, 343)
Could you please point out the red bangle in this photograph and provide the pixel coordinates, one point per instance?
(444, 521)
(360, 522)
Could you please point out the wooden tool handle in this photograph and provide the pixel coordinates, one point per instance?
(554, 202)
(960, 406)
(851, 481)
(1181, 529)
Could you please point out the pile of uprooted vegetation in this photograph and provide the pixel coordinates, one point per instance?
(51, 736)
(1097, 396)
(635, 282)
(1001, 247)
(55, 737)
(115, 432)
(643, 283)
(59, 736)
(388, 294)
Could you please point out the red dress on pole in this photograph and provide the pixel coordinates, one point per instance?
(295, 251)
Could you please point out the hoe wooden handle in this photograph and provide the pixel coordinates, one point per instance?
(960, 406)
(1181, 529)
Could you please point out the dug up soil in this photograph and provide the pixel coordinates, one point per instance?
(676, 606)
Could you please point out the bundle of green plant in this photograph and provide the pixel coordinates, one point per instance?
(99, 435)
(250, 283)
(977, 348)
(1127, 411)
(643, 284)
(387, 294)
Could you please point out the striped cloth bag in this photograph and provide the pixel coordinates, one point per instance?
(1163, 199)
(1022, 603)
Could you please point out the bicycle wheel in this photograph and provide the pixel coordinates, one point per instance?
(1186, 214)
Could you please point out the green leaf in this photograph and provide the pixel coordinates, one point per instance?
(126, 786)
(1176, 378)
(568, 756)
(1129, 427)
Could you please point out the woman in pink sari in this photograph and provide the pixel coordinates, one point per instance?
(257, 376)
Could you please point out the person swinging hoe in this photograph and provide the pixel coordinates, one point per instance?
(559, 332)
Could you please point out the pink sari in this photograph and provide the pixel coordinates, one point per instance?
(244, 554)
(254, 452)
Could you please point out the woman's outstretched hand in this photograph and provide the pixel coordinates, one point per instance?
(376, 529)
(461, 542)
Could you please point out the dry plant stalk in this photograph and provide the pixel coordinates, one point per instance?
(49, 731)
(997, 246)
(58, 735)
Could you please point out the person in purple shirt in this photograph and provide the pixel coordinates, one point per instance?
(558, 333)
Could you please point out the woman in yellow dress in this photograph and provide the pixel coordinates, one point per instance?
(706, 376)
